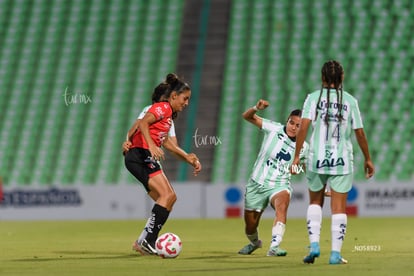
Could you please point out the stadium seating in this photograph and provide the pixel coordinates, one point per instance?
(374, 44)
(75, 74)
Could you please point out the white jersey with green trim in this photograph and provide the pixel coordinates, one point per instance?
(272, 166)
(330, 149)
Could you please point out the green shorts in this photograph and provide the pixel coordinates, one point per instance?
(338, 183)
(257, 197)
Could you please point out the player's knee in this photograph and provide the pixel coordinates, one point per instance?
(171, 198)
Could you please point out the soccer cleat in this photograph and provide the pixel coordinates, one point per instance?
(144, 245)
(336, 258)
(137, 247)
(248, 249)
(276, 251)
(313, 253)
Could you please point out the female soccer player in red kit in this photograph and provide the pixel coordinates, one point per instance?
(142, 159)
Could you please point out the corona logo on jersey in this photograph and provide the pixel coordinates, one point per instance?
(324, 105)
(332, 116)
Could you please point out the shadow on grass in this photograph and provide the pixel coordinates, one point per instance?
(227, 256)
(223, 269)
(80, 255)
(239, 263)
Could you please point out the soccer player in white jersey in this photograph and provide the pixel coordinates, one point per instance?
(333, 114)
(270, 179)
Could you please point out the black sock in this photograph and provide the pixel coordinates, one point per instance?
(159, 216)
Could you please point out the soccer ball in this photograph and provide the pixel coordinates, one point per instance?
(168, 245)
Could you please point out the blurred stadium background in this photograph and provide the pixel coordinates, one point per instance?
(75, 74)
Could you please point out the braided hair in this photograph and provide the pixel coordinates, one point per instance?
(332, 76)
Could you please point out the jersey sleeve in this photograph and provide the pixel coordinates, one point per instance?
(143, 112)
(307, 110)
(160, 110)
(268, 125)
(356, 119)
(304, 152)
(171, 133)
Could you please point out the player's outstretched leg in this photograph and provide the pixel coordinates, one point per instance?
(278, 231)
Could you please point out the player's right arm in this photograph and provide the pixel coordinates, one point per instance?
(132, 130)
(250, 114)
(156, 152)
(126, 145)
(300, 140)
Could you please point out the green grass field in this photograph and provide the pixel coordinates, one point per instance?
(373, 246)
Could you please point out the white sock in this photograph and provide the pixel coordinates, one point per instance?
(338, 230)
(277, 233)
(314, 222)
(253, 238)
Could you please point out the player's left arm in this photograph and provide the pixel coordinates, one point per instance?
(361, 138)
(369, 167)
(172, 141)
(178, 152)
(171, 145)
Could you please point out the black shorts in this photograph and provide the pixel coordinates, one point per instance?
(139, 163)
